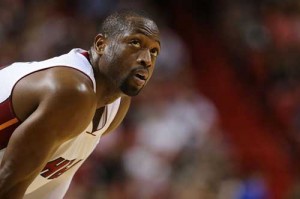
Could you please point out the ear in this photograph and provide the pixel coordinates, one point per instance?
(99, 43)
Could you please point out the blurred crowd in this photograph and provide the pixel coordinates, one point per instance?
(220, 118)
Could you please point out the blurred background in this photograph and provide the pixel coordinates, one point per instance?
(220, 118)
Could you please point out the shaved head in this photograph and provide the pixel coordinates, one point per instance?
(123, 20)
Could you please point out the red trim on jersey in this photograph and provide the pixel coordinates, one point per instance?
(8, 122)
(86, 55)
(6, 112)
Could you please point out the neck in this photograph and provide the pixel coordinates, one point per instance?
(106, 91)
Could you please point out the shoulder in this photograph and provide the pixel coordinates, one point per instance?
(58, 80)
(56, 87)
(67, 82)
(68, 87)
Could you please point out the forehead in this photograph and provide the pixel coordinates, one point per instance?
(143, 26)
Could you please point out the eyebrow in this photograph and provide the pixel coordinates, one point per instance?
(158, 42)
(138, 31)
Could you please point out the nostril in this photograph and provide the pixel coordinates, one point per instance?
(143, 63)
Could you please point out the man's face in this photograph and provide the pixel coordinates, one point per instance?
(130, 57)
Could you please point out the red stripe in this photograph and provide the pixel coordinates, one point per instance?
(87, 56)
(6, 115)
(8, 123)
(6, 111)
(5, 135)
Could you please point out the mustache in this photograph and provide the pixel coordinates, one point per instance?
(140, 68)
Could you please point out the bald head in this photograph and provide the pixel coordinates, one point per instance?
(121, 21)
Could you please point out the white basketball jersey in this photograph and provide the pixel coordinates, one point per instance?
(54, 180)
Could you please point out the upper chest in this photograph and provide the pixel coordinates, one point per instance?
(99, 119)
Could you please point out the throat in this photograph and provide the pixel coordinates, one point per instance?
(107, 100)
(106, 91)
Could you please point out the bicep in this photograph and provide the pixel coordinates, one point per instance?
(29, 147)
(53, 122)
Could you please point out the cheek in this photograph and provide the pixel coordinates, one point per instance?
(120, 56)
(151, 70)
(112, 58)
(114, 52)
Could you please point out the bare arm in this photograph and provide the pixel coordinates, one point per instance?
(54, 118)
(123, 109)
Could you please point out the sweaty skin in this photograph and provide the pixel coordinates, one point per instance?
(45, 101)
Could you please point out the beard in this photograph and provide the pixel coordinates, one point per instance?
(129, 89)
(120, 78)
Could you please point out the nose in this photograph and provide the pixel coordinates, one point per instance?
(144, 58)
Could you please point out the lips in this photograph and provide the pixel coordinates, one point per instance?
(140, 76)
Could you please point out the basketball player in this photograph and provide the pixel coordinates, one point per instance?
(53, 112)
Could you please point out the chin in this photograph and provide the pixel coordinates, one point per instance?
(130, 91)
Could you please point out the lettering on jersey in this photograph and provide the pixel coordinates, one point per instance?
(57, 167)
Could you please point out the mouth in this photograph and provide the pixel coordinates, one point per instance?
(141, 76)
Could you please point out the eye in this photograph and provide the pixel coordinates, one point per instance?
(154, 52)
(135, 43)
